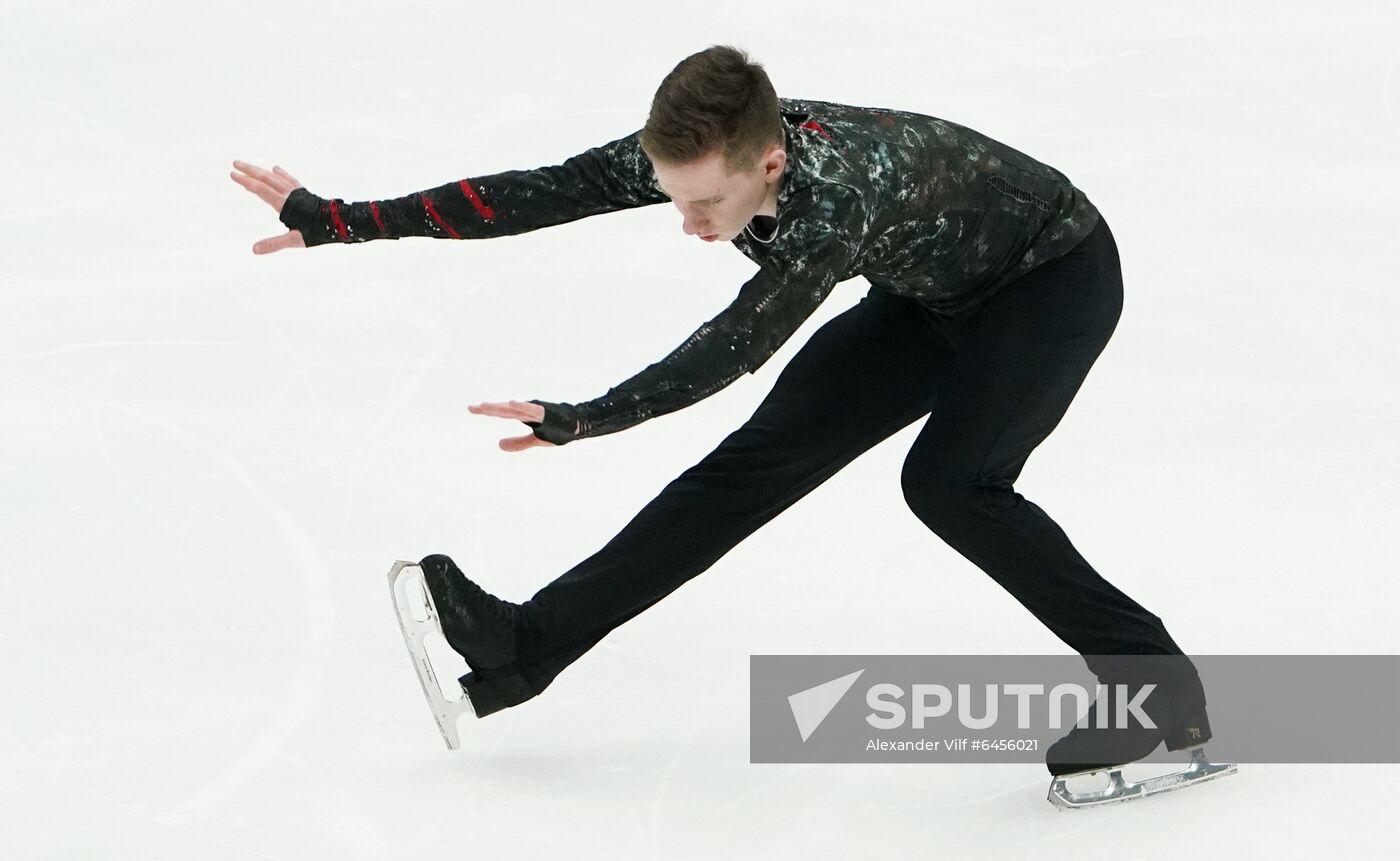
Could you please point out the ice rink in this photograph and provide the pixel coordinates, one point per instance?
(210, 459)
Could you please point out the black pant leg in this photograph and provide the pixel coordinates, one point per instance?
(1022, 358)
(860, 378)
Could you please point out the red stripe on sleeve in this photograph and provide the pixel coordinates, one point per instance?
(486, 212)
(374, 210)
(428, 205)
(339, 224)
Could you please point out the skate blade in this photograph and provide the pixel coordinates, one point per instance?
(1121, 789)
(409, 591)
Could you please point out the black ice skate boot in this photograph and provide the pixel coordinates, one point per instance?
(482, 629)
(1176, 705)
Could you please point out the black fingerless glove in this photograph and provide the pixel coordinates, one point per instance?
(305, 212)
(320, 221)
(562, 423)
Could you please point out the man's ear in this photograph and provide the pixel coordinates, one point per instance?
(780, 158)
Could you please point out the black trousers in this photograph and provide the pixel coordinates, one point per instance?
(993, 384)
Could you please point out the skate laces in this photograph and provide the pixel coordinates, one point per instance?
(482, 606)
(477, 624)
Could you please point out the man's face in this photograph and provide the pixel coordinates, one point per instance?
(715, 203)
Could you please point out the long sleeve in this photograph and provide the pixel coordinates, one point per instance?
(813, 253)
(613, 176)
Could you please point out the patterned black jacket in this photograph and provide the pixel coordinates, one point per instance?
(918, 205)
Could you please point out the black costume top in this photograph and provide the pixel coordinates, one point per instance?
(918, 205)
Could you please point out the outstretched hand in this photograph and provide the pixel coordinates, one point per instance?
(272, 186)
(519, 410)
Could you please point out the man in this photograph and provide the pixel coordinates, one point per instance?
(995, 285)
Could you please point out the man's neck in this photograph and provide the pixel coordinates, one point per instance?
(770, 203)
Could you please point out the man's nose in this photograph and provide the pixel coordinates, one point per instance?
(691, 223)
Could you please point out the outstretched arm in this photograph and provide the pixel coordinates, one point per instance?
(613, 176)
(816, 251)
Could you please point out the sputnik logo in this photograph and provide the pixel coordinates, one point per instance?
(810, 707)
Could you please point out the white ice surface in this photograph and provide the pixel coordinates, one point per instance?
(209, 459)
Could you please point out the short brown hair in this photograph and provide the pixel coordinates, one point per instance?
(716, 99)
